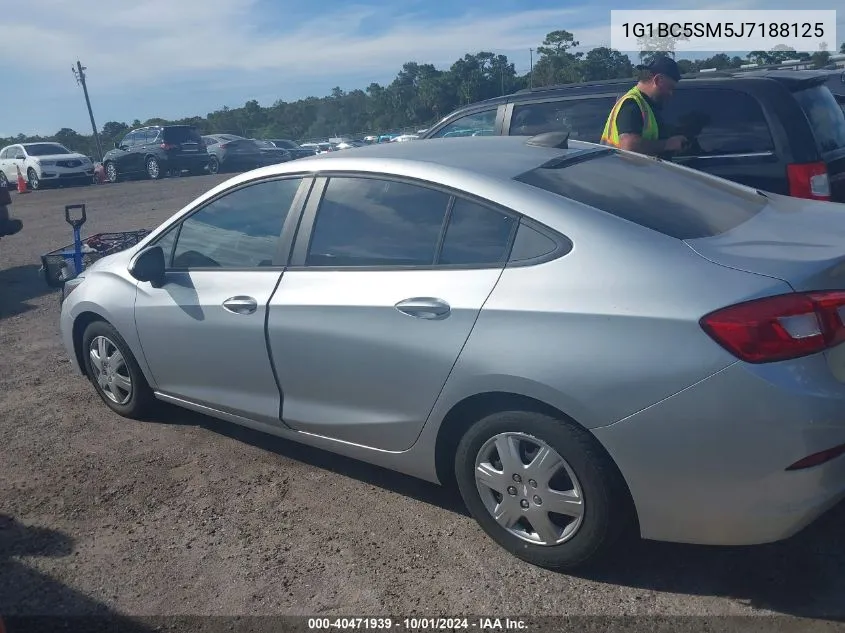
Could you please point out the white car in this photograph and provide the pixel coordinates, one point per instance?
(42, 163)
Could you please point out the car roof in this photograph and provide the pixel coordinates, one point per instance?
(490, 156)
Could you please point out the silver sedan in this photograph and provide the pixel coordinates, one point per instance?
(588, 343)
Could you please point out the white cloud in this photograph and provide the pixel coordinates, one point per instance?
(159, 40)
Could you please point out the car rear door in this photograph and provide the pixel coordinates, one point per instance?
(730, 136)
(385, 285)
(202, 332)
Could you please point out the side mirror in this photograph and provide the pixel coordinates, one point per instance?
(117, 145)
(149, 266)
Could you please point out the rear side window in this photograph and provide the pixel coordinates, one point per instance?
(677, 202)
(718, 121)
(584, 117)
(476, 235)
(825, 117)
(182, 135)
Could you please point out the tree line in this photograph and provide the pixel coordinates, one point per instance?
(422, 94)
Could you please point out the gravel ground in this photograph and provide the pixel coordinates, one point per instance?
(188, 515)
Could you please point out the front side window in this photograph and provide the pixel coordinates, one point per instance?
(585, 118)
(238, 230)
(374, 222)
(476, 124)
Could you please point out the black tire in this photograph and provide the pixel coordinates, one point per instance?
(213, 165)
(153, 168)
(33, 180)
(112, 174)
(4, 182)
(607, 511)
(141, 401)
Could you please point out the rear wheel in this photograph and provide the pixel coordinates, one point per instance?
(114, 372)
(542, 488)
(153, 168)
(213, 165)
(4, 182)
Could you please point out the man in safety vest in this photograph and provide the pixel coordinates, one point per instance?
(634, 123)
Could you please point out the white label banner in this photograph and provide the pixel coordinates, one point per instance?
(722, 31)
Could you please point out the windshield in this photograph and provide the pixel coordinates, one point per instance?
(825, 117)
(46, 149)
(677, 202)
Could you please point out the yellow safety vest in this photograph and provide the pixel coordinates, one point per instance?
(610, 136)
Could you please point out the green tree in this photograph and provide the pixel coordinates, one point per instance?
(606, 63)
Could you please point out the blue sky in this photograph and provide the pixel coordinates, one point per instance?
(176, 58)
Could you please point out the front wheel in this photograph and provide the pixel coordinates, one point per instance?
(32, 177)
(114, 372)
(542, 488)
(111, 172)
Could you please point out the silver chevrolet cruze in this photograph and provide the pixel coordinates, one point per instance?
(587, 342)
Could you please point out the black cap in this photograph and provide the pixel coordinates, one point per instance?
(663, 66)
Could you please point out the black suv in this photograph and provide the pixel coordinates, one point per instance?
(778, 131)
(156, 151)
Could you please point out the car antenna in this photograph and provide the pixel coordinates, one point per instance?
(557, 140)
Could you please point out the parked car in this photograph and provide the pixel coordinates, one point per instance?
(271, 154)
(583, 354)
(44, 163)
(155, 151)
(778, 131)
(230, 152)
(294, 148)
(836, 84)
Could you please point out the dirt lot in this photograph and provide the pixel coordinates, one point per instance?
(193, 516)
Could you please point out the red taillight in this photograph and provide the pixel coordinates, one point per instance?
(808, 180)
(166, 146)
(817, 459)
(780, 327)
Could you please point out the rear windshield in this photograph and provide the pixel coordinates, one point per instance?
(182, 135)
(825, 117)
(677, 202)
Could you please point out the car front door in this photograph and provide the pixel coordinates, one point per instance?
(124, 159)
(5, 165)
(16, 160)
(376, 305)
(202, 332)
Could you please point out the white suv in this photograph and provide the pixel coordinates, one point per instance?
(44, 162)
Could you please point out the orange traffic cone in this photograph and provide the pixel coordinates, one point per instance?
(21, 182)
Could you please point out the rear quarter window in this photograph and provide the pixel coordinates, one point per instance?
(677, 202)
(825, 115)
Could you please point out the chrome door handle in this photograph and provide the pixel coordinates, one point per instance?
(424, 308)
(241, 305)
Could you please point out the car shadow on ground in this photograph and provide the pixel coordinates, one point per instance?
(374, 475)
(803, 576)
(34, 602)
(18, 285)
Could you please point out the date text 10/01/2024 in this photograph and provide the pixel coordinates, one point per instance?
(727, 29)
(417, 623)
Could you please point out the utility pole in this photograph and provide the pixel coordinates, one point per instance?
(79, 73)
(531, 74)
